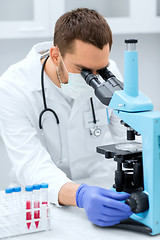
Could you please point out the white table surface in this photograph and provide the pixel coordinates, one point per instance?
(71, 223)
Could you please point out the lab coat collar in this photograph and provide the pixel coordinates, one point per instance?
(52, 92)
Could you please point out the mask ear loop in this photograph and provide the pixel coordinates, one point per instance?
(63, 62)
(59, 78)
(58, 75)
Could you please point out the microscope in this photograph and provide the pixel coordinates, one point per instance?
(138, 164)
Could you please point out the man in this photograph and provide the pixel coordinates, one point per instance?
(65, 148)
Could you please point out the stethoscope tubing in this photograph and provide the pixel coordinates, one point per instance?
(46, 109)
(44, 97)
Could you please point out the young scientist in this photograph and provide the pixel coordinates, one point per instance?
(47, 121)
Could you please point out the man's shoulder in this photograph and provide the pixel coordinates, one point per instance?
(13, 76)
(26, 71)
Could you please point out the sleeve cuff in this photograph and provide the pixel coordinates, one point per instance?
(54, 189)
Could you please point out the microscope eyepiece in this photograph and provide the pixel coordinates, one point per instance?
(105, 73)
(108, 76)
(103, 90)
(90, 78)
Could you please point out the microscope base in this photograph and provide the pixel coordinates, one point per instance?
(131, 224)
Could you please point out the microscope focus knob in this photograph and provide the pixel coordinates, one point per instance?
(138, 202)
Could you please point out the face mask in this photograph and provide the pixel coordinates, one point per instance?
(76, 86)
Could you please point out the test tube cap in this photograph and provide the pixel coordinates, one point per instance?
(36, 186)
(8, 190)
(17, 189)
(29, 188)
(44, 185)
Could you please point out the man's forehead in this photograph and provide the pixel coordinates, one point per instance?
(90, 62)
(89, 56)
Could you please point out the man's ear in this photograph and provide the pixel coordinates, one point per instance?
(54, 55)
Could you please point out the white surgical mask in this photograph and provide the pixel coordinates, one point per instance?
(76, 86)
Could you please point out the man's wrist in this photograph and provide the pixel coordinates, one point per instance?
(67, 194)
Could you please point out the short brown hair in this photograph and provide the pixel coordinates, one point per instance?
(83, 24)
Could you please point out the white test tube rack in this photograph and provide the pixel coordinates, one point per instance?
(13, 215)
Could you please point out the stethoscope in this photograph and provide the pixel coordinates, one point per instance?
(95, 131)
(46, 109)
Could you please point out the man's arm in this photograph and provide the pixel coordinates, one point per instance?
(30, 160)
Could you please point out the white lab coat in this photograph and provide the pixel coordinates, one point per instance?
(38, 156)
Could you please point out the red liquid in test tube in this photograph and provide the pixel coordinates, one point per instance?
(29, 190)
(37, 213)
(28, 214)
(36, 192)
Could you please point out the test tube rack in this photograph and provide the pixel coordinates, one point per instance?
(13, 216)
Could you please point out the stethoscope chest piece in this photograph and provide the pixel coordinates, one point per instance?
(96, 131)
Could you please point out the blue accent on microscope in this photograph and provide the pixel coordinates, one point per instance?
(131, 99)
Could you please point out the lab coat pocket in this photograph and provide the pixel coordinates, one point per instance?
(95, 132)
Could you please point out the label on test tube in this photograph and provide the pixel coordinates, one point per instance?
(36, 188)
(29, 190)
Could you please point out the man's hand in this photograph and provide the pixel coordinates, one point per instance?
(103, 207)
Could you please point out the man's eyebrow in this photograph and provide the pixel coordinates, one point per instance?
(80, 66)
(84, 67)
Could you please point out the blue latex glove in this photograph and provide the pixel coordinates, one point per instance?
(103, 207)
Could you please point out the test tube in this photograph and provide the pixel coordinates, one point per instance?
(17, 207)
(36, 188)
(44, 193)
(9, 196)
(29, 191)
(44, 197)
(45, 205)
(9, 204)
(17, 196)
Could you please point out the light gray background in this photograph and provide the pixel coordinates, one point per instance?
(13, 50)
